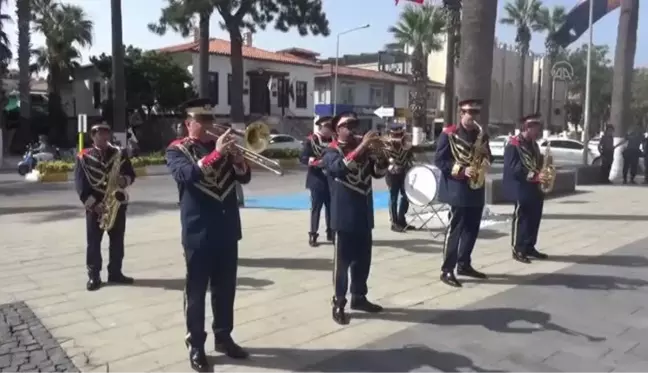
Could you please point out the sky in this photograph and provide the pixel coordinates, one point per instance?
(342, 15)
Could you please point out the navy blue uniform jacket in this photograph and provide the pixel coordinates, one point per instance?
(454, 189)
(316, 179)
(91, 166)
(351, 190)
(209, 211)
(522, 163)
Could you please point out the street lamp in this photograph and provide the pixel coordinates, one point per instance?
(337, 63)
(588, 84)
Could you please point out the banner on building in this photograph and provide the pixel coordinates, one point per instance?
(577, 20)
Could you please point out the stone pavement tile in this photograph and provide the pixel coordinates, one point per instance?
(570, 362)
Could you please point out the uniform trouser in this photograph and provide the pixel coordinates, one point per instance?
(216, 266)
(319, 199)
(115, 248)
(606, 165)
(460, 237)
(525, 225)
(630, 164)
(352, 254)
(396, 184)
(645, 162)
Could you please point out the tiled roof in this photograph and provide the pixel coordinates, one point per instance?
(222, 47)
(356, 72)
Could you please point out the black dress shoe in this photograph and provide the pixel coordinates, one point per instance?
(339, 315)
(536, 254)
(362, 304)
(94, 283)
(198, 359)
(120, 279)
(330, 236)
(469, 271)
(228, 347)
(520, 257)
(397, 228)
(449, 278)
(312, 239)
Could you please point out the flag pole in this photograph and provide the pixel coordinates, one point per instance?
(588, 84)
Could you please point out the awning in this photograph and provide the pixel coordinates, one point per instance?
(13, 103)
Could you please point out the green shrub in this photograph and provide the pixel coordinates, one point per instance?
(53, 167)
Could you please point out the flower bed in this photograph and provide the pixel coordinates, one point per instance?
(55, 171)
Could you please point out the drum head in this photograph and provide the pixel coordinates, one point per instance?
(422, 184)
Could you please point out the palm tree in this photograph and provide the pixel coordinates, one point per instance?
(478, 21)
(453, 10)
(179, 17)
(420, 28)
(66, 28)
(23, 15)
(550, 20)
(624, 56)
(524, 16)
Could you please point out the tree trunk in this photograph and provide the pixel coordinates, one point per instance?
(524, 51)
(476, 64)
(418, 100)
(624, 56)
(236, 60)
(203, 55)
(119, 124)
(449, 91)
(23, 13)
(550, 92)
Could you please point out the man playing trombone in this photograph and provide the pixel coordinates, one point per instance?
(316, 179)
(206, 168)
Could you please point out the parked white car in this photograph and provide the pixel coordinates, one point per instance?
(497, 145)
(286, 142)
(568, 151)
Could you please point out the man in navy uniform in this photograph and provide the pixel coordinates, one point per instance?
(522, 177)
(316, 179)
(455, 148)
(93, 166)
(350, 166)
(206, 172)
(400, 161)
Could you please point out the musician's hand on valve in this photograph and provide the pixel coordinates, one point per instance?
(225, 142)
(237, 156)
(469, 172)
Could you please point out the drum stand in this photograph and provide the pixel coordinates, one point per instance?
(420, 217)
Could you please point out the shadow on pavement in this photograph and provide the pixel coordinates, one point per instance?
(570, 281)
(412, 245)
(595, 217)
(64, 212)
(23, 188)
(405, 359)
(310, 264)
(635, 261)
(243, 283)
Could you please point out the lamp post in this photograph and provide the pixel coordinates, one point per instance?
(588, 84)
(337, 63)
(118, 79)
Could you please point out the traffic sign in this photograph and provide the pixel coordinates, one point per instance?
(562, 70)
(384, 112)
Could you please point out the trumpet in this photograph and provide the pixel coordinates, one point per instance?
(256, 138)
(378, 148)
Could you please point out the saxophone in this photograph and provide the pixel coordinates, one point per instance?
(115, 195)
(548, 170)
(479, 162)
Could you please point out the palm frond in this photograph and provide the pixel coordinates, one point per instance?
(420, 27)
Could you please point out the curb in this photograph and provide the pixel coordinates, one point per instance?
(58, 177)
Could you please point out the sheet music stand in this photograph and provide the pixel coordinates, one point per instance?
(420, 217)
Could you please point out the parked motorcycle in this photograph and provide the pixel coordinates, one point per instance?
(32, 157)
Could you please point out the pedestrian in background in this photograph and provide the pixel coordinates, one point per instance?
(606, 150)
(631, 154)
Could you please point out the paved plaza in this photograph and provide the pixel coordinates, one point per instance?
(585, 309)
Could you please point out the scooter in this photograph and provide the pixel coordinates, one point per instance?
(31, 158)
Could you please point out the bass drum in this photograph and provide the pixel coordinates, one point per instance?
(422, 184)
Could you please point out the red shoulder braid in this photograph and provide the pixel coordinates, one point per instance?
(513, 140)
(309, 137)
(83, 152)
(333, 144)
(450, 129)
(176, 142)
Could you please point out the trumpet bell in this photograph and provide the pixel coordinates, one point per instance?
(257, 136)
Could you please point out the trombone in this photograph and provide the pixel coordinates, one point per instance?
(256, 138)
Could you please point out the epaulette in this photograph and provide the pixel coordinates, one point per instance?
(177, 142)
(513, 140)
(83, 152)
(450, 129)
(309, 137)
(333, 144)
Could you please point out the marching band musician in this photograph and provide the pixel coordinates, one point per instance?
(454, 148)
(92, 169)
(522, 178)
(316, 179)
(206, 172)
(400, 161)
(350, 167)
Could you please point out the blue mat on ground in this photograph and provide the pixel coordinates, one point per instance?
(301, 201)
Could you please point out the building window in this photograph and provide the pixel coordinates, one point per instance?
(213, 88)
(433, 100)
(375, 96)
(301, 98)
(229, 89)
(346, 95)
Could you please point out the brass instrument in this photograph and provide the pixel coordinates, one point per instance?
(548, 171)
(256, 138)
(115, 195)
(378, 148)
(479, 161)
